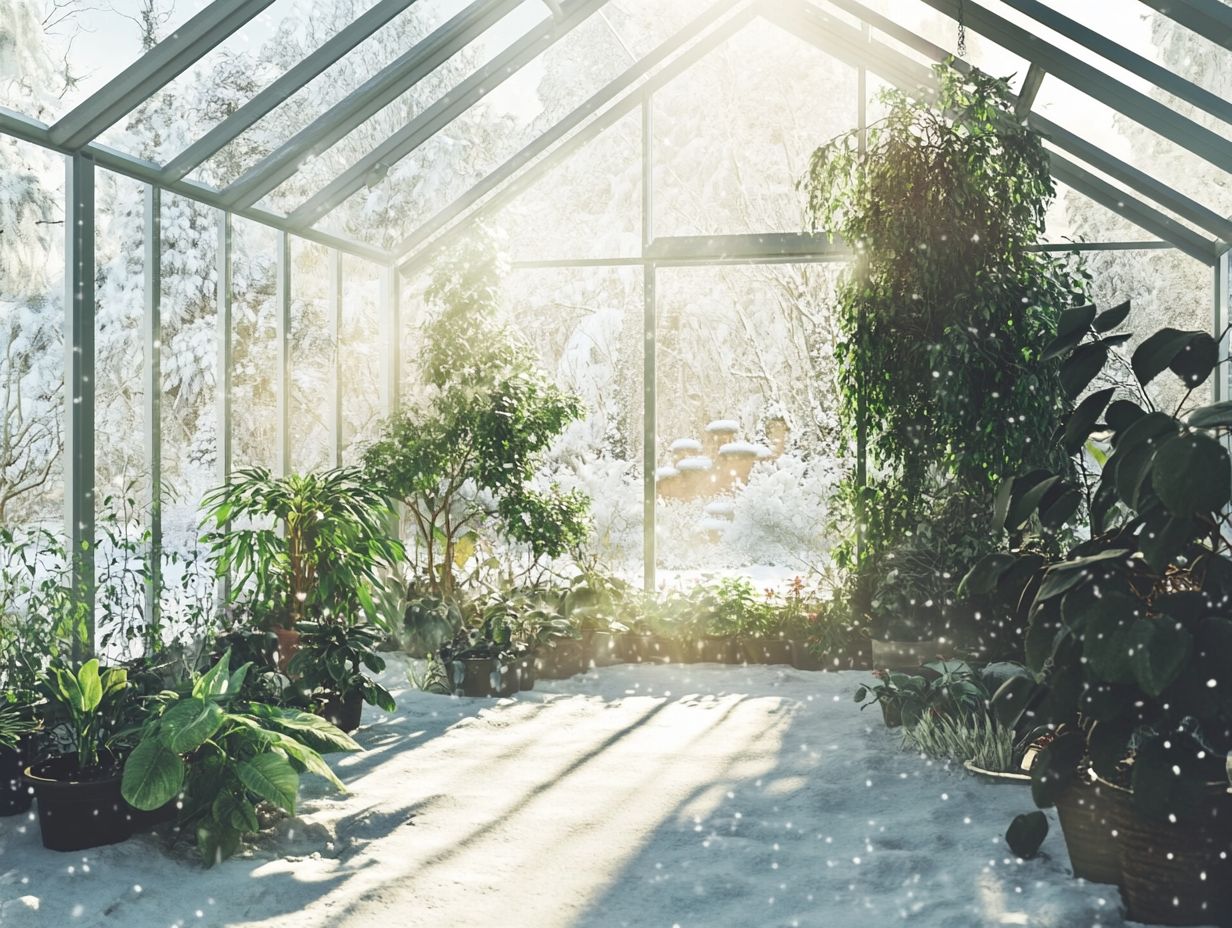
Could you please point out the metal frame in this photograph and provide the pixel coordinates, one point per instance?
(1147, 201)
(152, 400)
(650, 359)
(223, 336)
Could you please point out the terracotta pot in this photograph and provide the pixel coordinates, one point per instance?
(560, 659)
(345, 712)
(718, 651)
(288, 646)
(766, 650)
(77, 814)
(907, 655)
(1175, 873)
(603, 649)
(1085, 811)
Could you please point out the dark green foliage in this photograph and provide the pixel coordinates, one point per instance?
(948, 317)
(332, 658)
(463, 457)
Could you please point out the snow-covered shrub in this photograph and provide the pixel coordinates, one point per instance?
(781, 516)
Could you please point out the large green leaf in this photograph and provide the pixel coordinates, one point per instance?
(1194, 363)
(1055, 768)
(271, 777)
(215, 681)
(1027, 497)
(1056, 512)
(1081, 367)
(1072, 327)
(1107, 643)
(1164, 537)
(1121, 414)
(189, 723)
(91, 685)
(1216, 415)
(1160, 648)
(1160, 350)
(153, 775)
(982, 578)
(1192, 474)
(309, 759)
(1082, 420)
(310, 729)
(1109, 319)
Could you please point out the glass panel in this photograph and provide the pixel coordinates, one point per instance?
(749, 448)
(312, 357)
(732, 141)
(317, 172)
(1074, 217)
(31, 328)
(254, 347)
(359, 354)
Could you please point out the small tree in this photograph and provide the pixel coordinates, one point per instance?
(465, 454)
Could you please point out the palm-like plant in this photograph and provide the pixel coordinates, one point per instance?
(318, 543)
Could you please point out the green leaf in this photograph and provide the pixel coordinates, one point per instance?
(1026, 833)
(1164, 537)
(310, 760)
(1001, 504)
(1062, 509)
(91, 685)
(1072, 328)
(214, 681)
(1157, 352)
(982, 578)
(1108, 642)
(1082, 420)
(1216, 415)
(153, 775)
(1121, 414)
(1026, 502)
(189, 723)
(1194, 363)
(1012, 699)
(1109, 319)
(1081, 367)
(1160, 649)
(310, 729)
(1055, 768)
(272, 778)
(216, 842)
(1192, 475)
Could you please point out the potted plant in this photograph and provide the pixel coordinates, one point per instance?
(315, 548)
(17, 728)
(223, 757)
(78, 792)
(1128, 629)
(330, 668)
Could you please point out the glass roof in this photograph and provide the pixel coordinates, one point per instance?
(60, 62)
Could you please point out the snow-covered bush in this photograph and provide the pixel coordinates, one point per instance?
(781, 516)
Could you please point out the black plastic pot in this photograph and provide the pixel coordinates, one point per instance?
(804, 658)
(718, 651)
(15, 794)
(345, 712)
(525, 666)
(140, 821)
(473, 676)
(603, 649)
(561, 659)
(77, 814)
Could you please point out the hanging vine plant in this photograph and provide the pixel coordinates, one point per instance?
(947, 310)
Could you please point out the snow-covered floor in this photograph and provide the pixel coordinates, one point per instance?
(696, 796)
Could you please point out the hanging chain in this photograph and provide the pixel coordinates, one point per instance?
(962, 31)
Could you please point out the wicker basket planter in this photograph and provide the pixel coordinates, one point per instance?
(1175, 873)
(1086, 812)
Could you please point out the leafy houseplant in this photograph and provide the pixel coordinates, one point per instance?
(224, 756)
(945, 316)
(1128, 630)
(330, 665)
(462, 457)
(78, 791)
(320, 557)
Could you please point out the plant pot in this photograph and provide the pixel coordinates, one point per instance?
(75, 815)
(140, 821)
(603, 649)
(718, 651)
(475, 676)
(15, 794)
(505, 679)
(907, 655)
(525, 666)
(766, 650)
(892, 714)
(667, 650)
(1175, 873)
(344, 712)
(1085, 811)
(288, 646)
(1004, 777)
(804, 658)
(628, 648)
(564, 658)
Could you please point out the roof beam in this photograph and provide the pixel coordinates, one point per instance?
(369, 98)
(1137, 180)
(295, 78)
(34, 132)
(756, 248)
(840, 40)
(1030, 88)
(1161, 77)
(440, 114)
(508, 186)
(1209, 18)
(153, 71)
(1137, 106)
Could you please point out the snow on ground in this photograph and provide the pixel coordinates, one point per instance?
(696, 796)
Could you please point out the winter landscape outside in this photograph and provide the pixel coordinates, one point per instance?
(615, 462)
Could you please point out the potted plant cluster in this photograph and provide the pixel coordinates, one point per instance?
(1128, 630)
(332, 667)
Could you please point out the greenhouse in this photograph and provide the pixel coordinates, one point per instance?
(598, 463)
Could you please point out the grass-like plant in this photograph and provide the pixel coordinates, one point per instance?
(974, 737)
